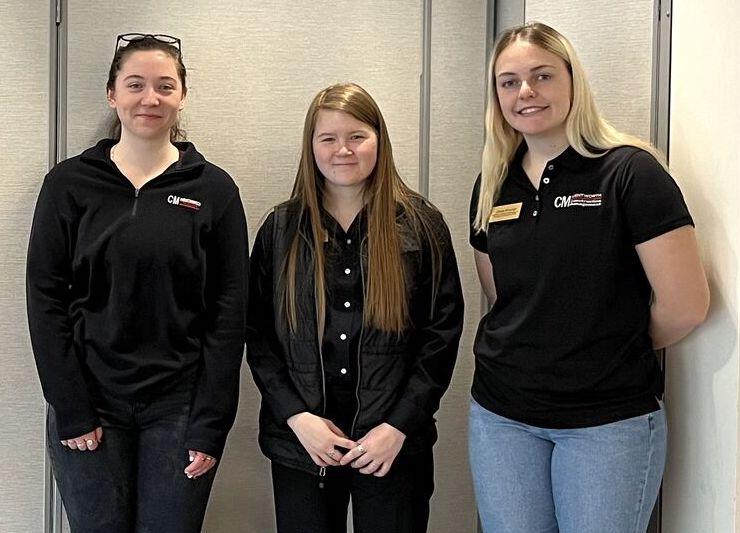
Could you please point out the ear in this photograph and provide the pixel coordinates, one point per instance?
(111, 98)
(181, 106)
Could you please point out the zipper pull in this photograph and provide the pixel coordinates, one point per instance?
(136, 193)
(322, 475)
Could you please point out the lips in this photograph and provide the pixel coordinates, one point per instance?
(530, 110)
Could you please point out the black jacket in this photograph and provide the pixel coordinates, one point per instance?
(401, 379)
(133, 293)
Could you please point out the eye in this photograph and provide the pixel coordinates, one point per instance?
(509, 84)
(167, 87)
(544, 76)
(134, 85)
(356, 137)
(326, 140)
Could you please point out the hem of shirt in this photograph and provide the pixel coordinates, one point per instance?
(662, 229)
(574, 417)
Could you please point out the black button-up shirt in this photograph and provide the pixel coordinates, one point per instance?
(343, 327)
(566, 343)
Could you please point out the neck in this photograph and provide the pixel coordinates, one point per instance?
(545, 149)
(343, 203)
(144, 155)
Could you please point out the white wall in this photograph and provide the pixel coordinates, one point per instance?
(700, 487)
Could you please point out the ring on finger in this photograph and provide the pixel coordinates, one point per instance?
(360, 449)
(331, 453)
(89, 442)
(208, 458)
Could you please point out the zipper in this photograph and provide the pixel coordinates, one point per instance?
(321, 362)
(322, 477)
(359, 346)
(136, 201)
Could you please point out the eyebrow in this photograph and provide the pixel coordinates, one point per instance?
(332, 133)
(138, 76)
(531, 70)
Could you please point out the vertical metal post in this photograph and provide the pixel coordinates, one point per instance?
(660, 137)
(425, 97)
(53, 511)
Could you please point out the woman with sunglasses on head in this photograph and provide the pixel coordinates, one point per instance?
(136, 286)
(575, 225)
(354, 321)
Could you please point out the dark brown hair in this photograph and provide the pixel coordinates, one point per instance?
(119, 58)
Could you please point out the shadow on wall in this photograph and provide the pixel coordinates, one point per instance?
(697, 378)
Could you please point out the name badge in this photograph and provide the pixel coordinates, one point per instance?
(505, 212)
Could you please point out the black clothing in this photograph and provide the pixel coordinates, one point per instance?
(395, 503)
(134, 480)
(136, 293)
(344, 306)
(566, 343)
(401, 378)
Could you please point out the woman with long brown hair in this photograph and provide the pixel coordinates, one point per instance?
(355, 317)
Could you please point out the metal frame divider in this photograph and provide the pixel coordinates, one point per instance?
(425, 97)
(53, 509)
(660, 121)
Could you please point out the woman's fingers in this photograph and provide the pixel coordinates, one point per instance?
(88, 441)
(200, 463)
(372, 467)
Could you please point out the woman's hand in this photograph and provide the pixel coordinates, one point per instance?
(200, 463)
(376, 451)
(88, 441)
(319, 437)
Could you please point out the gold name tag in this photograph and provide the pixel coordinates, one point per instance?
(505, 212)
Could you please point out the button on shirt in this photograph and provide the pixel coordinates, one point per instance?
(343, 316)
(566, 343)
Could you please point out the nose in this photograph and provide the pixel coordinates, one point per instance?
(150, 97)
(526, 90)
(343, 150)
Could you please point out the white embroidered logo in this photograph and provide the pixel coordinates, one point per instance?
(578, 200)
(183, 202)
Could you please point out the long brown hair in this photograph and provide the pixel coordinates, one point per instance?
(147, 42)
(386, 304)
(589, 133)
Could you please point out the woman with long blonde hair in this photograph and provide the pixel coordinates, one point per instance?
(354, 321)
(574, 226)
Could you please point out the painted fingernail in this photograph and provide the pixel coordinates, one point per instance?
(192, 458)
(190, 476)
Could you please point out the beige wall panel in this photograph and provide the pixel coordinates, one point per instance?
(24, 141)
(614, 43)
(701, 482)
(253, 68)
(458, 61)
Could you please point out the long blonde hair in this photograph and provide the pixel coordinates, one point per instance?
(386, 301)
(588, 132)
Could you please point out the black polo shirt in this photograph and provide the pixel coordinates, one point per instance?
(566, 344)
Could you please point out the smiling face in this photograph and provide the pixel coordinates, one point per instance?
(345, 150)
(147, 95)
(533, 87)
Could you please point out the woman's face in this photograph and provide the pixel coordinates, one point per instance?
(148, 94)
(345, 150)
(534, 90)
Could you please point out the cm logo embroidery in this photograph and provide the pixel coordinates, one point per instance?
(183, 202)
(578, 200)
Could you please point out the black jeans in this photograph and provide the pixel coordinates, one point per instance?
(134, 481)
(396, 503)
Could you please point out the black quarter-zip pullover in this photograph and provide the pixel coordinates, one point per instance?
(137, 292)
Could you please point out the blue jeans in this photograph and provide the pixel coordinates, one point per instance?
(134, 481)
(601, 479)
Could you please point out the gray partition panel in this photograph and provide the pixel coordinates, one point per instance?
(24, 142)
(457, 97)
